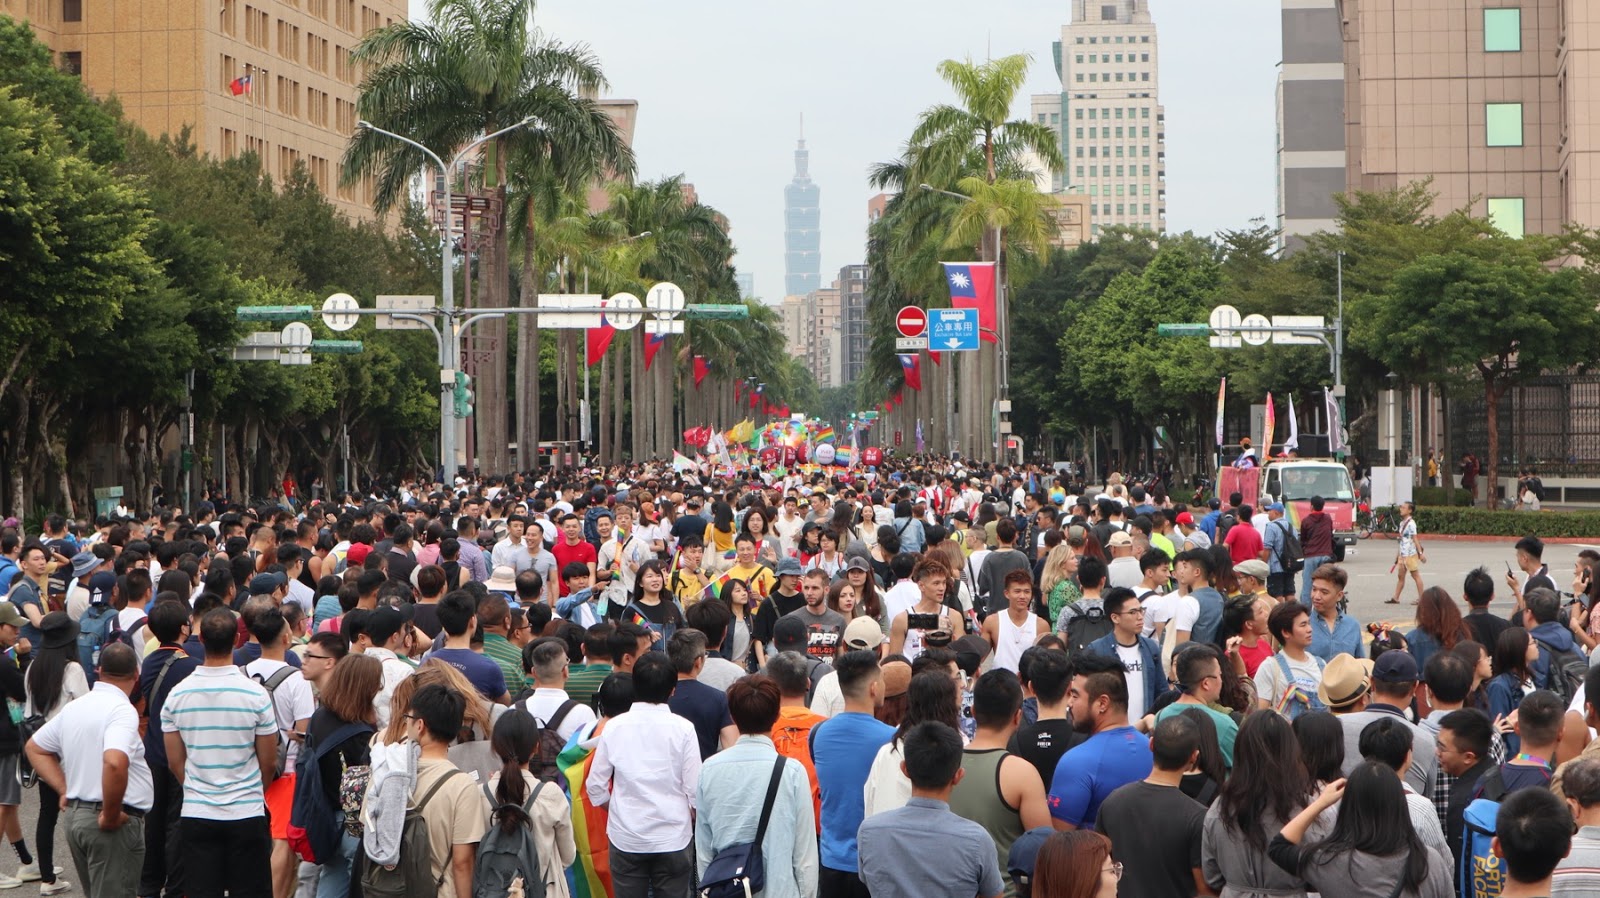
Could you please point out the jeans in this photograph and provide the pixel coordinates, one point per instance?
(108, 863)
(664, 874)
(334, 879)
(163, 850)
(233, 856)
(1312, 563)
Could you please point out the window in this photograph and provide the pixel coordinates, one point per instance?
(1502, 30)
(1079, 134)
(1077, 114)
(1119, 208)
(1094, 113)
(72, 10)
(1506, 213)
(1147, 190)
(1145, 112)
(1079, 78)
(1094, 57)
(1108, 13)
(1080, 171)
(1094, 189)
(1079, 153)
(1147, 171)
(227, 74)
(1078, 41)
(1119, 151)
(1094, 171)
(1119, 132)
(1145, 39)
(1094, 152)
(346, 121)
(1144, 57)
(1120, 188)
(1079, 59)
(1146, 151)
(1119, 171)
(1055, 118)
(1144, 76)
(1041, 118)
(1503, 124)
(1092, 77)
(1144, 131)
(1119, 76)
(1119, 55)
(228, 147)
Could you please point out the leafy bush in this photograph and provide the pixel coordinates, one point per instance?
(1483, 522)
(1434, 495)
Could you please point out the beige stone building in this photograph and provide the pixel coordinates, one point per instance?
(173, 64)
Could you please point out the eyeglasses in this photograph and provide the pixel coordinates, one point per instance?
(1115, 870)
(1137, 611)
(321, 657)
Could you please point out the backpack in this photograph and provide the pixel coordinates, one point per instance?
(1566, 672)
(1481, 874)
(503, 859)
(315, 828)
(117, 634)
(271, 684)
(1225, 522)
(816, 669)
(94, 627)
(1296, 701)
(543, 764)
(1291, 557)
(1085, 626)
(413, 876)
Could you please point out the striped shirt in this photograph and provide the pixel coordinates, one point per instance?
(1579, 872)
(218, 713)
(501, 651)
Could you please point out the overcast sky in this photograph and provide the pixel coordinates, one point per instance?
(721, 85)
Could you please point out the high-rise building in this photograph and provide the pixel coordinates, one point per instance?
(1109, 115)
(270, 76)
(852, 286)
(802, 229)
(1311, 130)
(1492, 100)
(747, 284)
(824, 327)
(795, 315)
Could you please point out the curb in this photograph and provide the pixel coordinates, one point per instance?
(1468, 538)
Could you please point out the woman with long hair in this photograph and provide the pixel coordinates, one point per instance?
(1267, 788)
(720, 530)
(887, 548)
(53, 679)
(1059, 581)
(869, 602)
(984, 522)
(654, 607)
(1373, 848)
(932, 696)
(1227, 580)
(842, 599)
(1586, 586)
(1514, 654)
(758, 525)
(345, 699)
(1321, 738)
(809, 544)
(1075, 864)
(475, 721)
(866, 524)
(1204, 782)
(737, 596)
(1439, 626)
(843, 523)
(1482, 665)
(517, 798)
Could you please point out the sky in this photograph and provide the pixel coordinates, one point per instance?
(722, 85)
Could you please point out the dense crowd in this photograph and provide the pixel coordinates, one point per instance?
(922, 680)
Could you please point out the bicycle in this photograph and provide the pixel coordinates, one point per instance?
(1381, 520)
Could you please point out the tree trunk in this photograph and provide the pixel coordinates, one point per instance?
(1492, 392)
(527, 382)
(1446, 461)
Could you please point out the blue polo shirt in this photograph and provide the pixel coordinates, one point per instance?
(1343, 638)
(843, 748)
(1090, 771)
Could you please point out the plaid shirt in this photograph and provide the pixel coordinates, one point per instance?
(1444, 782)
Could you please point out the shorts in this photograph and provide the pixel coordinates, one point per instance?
(280, 801)
(1411, 563)
(11, 780)
(1280, 584)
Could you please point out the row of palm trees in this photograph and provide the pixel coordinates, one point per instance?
(975, 148)
(475, 67)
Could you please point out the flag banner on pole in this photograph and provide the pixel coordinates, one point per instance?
(972, 287)
(912, 367)
(652, 345)
(1266, 436)
(598, 339)
(934, 354)
(1222, 398)
(1338, 440)
(1292, 441)
(240, 85)
(921, 446)
(701, 369)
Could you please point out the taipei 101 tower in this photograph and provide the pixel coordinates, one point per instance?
(802, 227)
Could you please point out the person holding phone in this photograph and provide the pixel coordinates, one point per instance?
(908, 631)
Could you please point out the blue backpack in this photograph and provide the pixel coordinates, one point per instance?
(94, 628)
(1482, 875)
(315, 826)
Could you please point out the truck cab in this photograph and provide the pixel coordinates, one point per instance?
(1293, 481)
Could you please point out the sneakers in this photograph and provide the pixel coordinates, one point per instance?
(30, 872)
(54, 888)
(9, 882)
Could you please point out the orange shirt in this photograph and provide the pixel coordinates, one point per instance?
(791, 735)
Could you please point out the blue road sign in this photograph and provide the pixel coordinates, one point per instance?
(953, 330)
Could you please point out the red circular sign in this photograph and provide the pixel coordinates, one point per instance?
(912, 321)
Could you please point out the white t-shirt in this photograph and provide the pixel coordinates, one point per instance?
(126, 619)
(1133, 662)
(1158, 609)
(291, 700)
(544, 703)
(899, 597)
(1270, 684)
(1124, 572)
(1185, 611)
(303, 595)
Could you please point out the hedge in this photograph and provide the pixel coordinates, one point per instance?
(1483, 522)
(1434, 495)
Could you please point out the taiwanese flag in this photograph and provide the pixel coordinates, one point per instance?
(598, 340)
(934, 354)
(239, 85)
(972, 287)
(912, 367)
(652, 345)
(701, 369)
(756, 397)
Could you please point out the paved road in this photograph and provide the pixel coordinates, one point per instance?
(1449, 561)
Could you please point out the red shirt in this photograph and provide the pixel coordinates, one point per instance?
(566, 554)
(1243, 542)
(1254, 656)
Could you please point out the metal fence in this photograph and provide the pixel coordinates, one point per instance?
(1551, 422)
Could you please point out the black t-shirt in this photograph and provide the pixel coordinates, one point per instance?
(426, 618)
(660, 613)
(1486, 628)
(1155, 833)
(1042, 743)
(688, 525)
(704, 706)
(776, 606)
(351, 752)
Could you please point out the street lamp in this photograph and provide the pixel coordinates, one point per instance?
(1002, 325)
(449, 345)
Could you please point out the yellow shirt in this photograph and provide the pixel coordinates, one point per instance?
(758, 576)
(716, 539)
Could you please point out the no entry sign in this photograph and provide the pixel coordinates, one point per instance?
(911, 321)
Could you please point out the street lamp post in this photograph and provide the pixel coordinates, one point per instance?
(449, 344)
(583, 429)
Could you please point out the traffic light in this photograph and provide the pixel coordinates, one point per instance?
(463, 394)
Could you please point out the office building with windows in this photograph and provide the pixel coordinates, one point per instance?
(269, 76)
(1109, 115)
(1311, 131)
(802, 228)
(852, 287)
(1489, 98)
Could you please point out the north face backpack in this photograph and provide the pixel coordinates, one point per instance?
(93, 629)
(1481, 873)
(413, 876)
(315, 827)
(1085, 626)
(504, 858)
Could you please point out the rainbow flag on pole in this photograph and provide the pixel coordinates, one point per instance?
(591, 871)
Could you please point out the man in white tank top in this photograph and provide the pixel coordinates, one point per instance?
(1011, 631)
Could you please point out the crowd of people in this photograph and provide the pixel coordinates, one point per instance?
(926, 680)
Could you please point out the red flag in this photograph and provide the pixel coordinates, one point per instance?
(784, 411)
(598, 340)
(239, 85)
(736, 385)
(911, 366)
(701, 369)
(934, 354)
(652, 345)
(900, 396)
(972, 287)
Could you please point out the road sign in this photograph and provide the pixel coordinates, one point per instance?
(1224, 323)
(953, 330)
(912, 321)
(1309, 322)
(626, 315)
(667, 300)
(1182, 330)
(296, 344)
(274, 313)
(1254, 329)
(333, 306)
(910, 344)
(558, 319)
(419, 305)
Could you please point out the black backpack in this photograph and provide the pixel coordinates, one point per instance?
(1227, 521)
(1085, 626)
(1567, 671)
(315, 827)
(543, 764)
(1291, 557)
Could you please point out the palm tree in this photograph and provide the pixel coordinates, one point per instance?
(478, 66)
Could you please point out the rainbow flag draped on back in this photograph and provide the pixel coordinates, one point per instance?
(591, 870)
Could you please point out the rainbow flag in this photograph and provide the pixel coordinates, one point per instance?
(591, 871)
(825, 434)
(713, 590)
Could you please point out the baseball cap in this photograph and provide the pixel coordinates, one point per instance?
(1395, 667)
(961, 516)
(863, 634)
(1186, 519)
(266, 584)
(382, 623)
(896, 678)
(970, 652)
(357, 554)
(789, 635)
(858, 563)
(1276, 506)
(1024, 853)
(100, 586)
(1119, 538)
(10, 615)
(1345, 680)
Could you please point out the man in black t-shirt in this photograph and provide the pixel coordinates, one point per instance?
(1155, 829)
(1044, 741)
(1478, 588)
